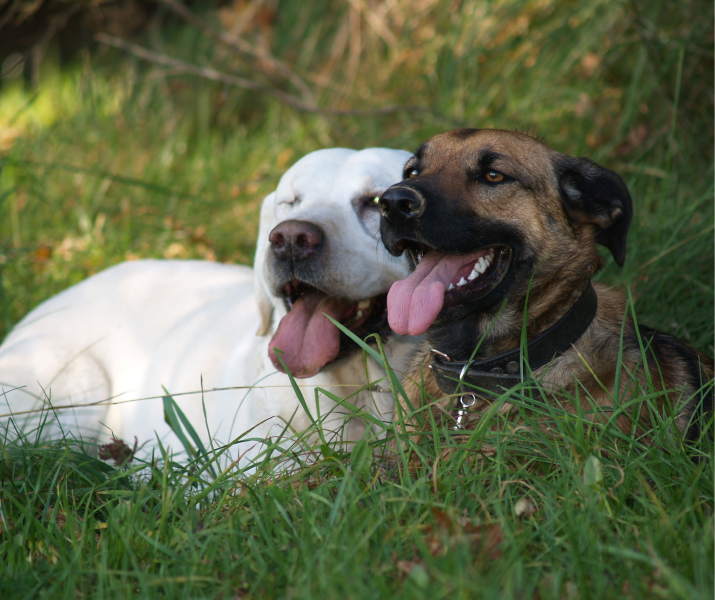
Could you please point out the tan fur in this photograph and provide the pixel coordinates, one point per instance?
(562, 245)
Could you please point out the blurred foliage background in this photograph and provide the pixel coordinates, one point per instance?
(136, 129)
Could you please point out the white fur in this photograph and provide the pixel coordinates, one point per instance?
(135, 328)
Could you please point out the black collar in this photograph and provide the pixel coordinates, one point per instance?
(502, 372)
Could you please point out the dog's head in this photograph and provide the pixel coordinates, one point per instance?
(488, 214)
(319, 253)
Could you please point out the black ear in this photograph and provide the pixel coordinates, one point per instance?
(592, 194)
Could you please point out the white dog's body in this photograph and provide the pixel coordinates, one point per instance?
(134, 329)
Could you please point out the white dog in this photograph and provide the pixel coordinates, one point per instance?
(122, 336)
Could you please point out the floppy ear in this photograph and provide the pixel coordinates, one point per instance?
(593, 194)
(263, 297)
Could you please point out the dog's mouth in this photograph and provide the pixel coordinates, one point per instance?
(480, 274)
(308, 340)
(355, 315)
(441, 281)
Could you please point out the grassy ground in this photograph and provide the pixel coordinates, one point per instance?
(114, 159)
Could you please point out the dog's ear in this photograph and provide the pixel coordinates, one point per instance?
(263, 297)
(592, 194)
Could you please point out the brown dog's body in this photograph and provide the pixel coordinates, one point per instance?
(535, 215)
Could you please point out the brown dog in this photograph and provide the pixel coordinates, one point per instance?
(498, 225)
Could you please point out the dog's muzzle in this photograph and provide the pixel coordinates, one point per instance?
(401, 204)
(401, 207)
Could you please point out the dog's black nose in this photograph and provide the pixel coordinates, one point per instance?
(399, 204)
(296, 239)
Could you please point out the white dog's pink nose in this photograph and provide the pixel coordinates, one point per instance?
(296, 239)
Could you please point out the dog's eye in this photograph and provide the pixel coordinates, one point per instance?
(291, 201)
(413, 173)
(494, 177)
(367, 211)
(370, 202)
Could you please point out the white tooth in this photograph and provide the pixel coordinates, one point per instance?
(473, 275)
(461, 282)
(451, 287)
(364, 303)
(481, 266)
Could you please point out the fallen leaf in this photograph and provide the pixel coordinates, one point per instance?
(524, 508)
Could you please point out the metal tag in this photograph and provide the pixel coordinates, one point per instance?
(465, 402)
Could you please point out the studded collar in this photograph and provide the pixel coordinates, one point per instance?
(494, 375)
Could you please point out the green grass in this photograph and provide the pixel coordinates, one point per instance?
(114, 159)
(583, 512)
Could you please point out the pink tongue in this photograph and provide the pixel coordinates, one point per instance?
(414, 303)
(307, 340)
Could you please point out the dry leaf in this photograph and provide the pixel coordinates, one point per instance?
(524, 508)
